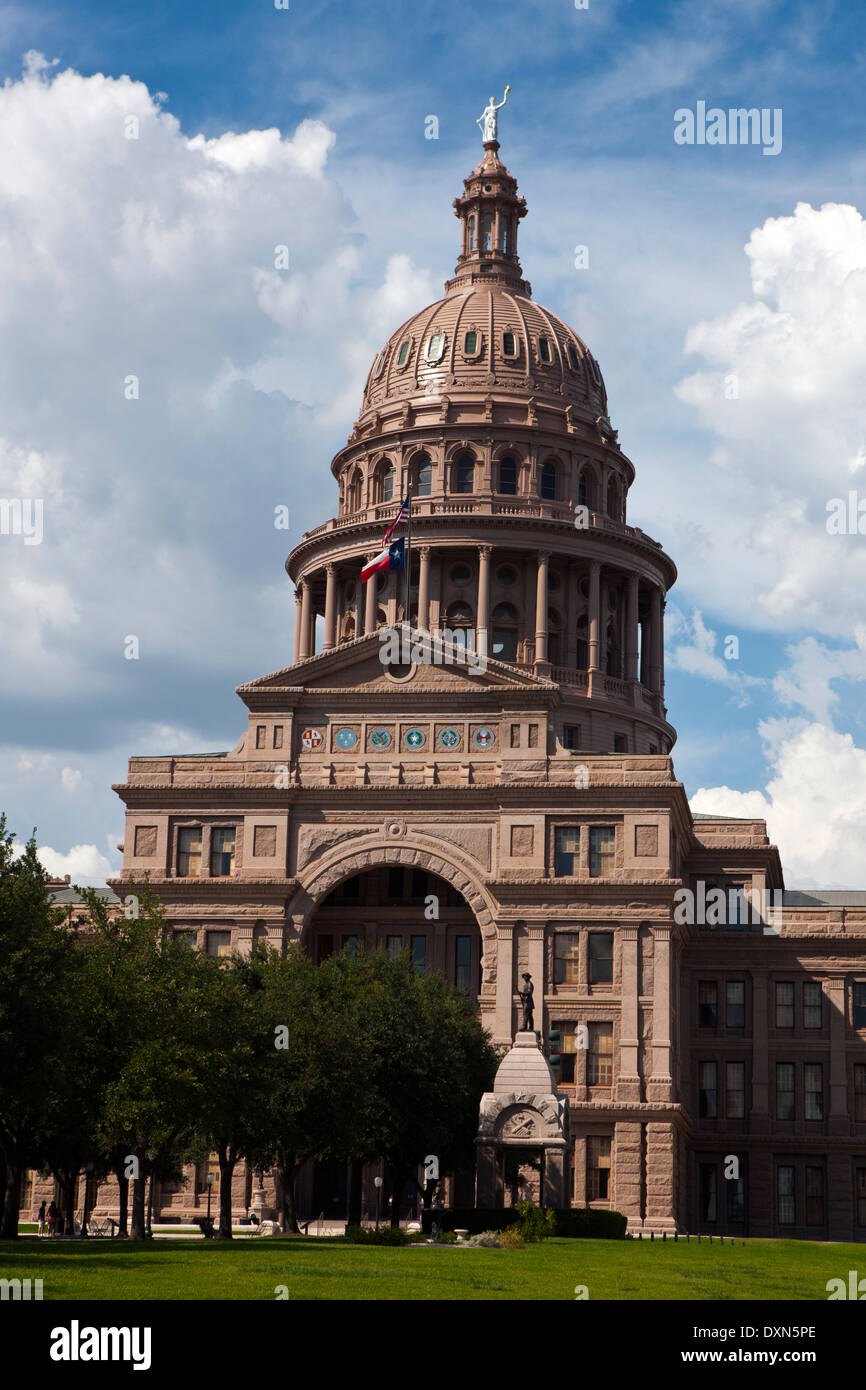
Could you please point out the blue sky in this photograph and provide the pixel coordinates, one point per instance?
(151, 257)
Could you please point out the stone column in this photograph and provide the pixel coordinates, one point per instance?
(306, 617)
(297, 650)
(330, 608)
(631, 643)
(660, 1176)
(655, 640)
(838, 1119)
(541, 608)
(424, 588)
(504, 1025)
(529, 595)
(571, 619)
(628, 1076)
(626, 1176)
(594, 613)
(660, 1085)
(643, 624)
(370, 597)
(483, 611)
(359, 607)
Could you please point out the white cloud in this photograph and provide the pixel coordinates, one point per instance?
(84, 864)
(693, 650)
(71, 778)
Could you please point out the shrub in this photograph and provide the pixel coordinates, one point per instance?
(365, 1235)
(445, 1238)
(575, 1222)
(511, 1239)
(485, 1240)
(535, 1222)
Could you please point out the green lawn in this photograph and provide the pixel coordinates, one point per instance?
(324, 1269)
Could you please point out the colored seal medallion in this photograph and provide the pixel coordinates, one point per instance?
(347, 738)
(380, 738)
(484, 738)
(415, 738)
(449, 738)
(311, 739)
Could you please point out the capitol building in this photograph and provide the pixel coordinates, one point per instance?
(522, 777)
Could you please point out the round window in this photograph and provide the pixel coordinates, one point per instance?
(553, 581)
(460, 574)
(506, 574)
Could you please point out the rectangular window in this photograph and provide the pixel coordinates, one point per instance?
(708, 1004)
(533, 735)
(813, 1088)
(602, 839)
(395, 884)
(566, 847)
(784, 1004)
(515, 736)
(325, 947)
(860, 1003)
(599, 1060)
(261, 735)
(620, 743)
(600, 958)
(419, 884)
(349, 944)
(566, 955)
(735, 1004)
(736, 1189)
(393, 945)
(813, 997)
(219, 943)
(463, 964)
(568, 1051)
(203, 1171)
(597, 1167)
(709, 1183)
(222, 851)
(419, 953)
(860, 1094)
(784, 1090)
(189, 851)
(785, 1190)
(278, 735)
(185, 937)
(860, 1188)
(814, 1196)
(735, 1090)
(708, 1094)
(571, 736)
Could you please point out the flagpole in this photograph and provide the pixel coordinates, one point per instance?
(408, 616)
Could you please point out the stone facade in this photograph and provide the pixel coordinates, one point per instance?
(523, 812)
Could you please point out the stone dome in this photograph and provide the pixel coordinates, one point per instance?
(479, 338)
(487, 333)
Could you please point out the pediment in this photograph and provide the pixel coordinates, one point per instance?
(358, 666)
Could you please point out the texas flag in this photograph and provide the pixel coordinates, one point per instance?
(393, 557)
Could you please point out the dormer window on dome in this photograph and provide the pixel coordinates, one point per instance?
(573, 357)
(403, 353)
(435, 347)
(509, 345)
(544, 350)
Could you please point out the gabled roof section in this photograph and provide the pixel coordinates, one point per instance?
(356, 666)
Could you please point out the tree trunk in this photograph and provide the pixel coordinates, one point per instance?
(138, 1200)
(11, 1202)
(227, 1168)
(3, 1181)
(287, 1182)
(356, 1189)
(70, 1179)
(122, 1199)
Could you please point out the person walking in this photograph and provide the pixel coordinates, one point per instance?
(40, 1220)
(52, 1218)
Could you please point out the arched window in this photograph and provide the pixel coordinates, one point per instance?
(581, 660)
(548, 481)
(472, 237)
(505, 623)
(353, 491)
(553, 637)
(508, 477)
(573, 358)
(460, 621)
(503, 234)
(403, 353)
(544, 350)
(509, 345)
(582, 492)
(464, 474)
(614, 660)
(613, 504)
(422, 477)
(487, 234)
(385, 482)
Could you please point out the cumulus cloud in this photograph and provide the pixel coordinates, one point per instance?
(693, 650)
(84, 864)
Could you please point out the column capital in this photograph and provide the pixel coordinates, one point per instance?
(330, 568)
(424, 551)
(543, 557)
(485, 550)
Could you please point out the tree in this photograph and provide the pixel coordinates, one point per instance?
(38, 969)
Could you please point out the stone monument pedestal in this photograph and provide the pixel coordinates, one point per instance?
(522, 1141)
